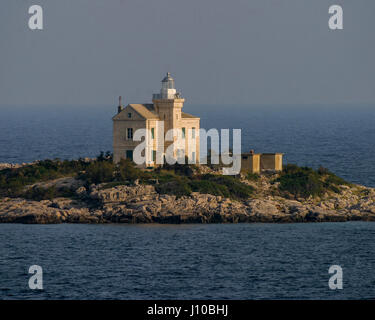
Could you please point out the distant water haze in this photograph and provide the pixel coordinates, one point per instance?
(339, 137)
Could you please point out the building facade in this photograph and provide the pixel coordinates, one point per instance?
(258, 162)
(164, 115)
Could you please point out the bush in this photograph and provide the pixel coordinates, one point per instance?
(108, 156)
(101, 170)
(331, 179)
(236, 189)
(128, 172)
(302, 182)
(180, 169)
(12, 181)
(323, 171)
(39, 193)
(209, 187)
(98, 172)
(178, 188)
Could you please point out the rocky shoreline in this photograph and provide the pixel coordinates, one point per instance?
(142, 204)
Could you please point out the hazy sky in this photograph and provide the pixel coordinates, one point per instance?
(218, 51)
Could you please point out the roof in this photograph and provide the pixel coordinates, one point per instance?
(147, 111)
(188, 115)
(247, 154)
(250, 154)
(167, 78)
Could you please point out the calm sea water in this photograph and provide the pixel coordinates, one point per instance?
(340, 138)
(243, 261)
(247, 261)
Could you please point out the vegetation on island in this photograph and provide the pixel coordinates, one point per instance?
(303, 182)
(180, 180)
(14, 180)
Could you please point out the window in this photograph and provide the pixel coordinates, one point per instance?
(152, 133)
(183, 133)
(130, 133)
(129, 115)
(154, 155)
(244, 157)
(193, 132)
(129, 154)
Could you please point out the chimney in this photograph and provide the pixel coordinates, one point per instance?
(120, 107)
(251, 151)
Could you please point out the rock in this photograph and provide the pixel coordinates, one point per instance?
(27, 211)
(81, 191)
(263, 207)
(142, 204)
(61, 183)
(14, 165)
(121, 193)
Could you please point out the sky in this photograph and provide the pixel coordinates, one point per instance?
(218, 51)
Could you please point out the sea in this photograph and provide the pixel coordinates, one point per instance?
(217, 261)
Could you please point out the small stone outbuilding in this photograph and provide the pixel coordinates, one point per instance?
(258, 162)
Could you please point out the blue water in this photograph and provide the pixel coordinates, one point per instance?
(340, 137)
(247, 261)
(238, 261)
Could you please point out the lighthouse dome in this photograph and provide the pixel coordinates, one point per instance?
(167, 90)
(167, 82)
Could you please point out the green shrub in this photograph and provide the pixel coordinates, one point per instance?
(323, 171)
(332, 179)
(302, 182)
(236, 189)
(12, 181)
(128, 172)
(98, 172)
(108, 156)
(40, 193)
(186, 170)
(178, 187)
(210, 187)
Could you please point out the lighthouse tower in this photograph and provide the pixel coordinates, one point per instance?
(168, 104)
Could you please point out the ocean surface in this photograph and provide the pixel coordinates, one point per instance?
(245, 261)
(217, 261)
